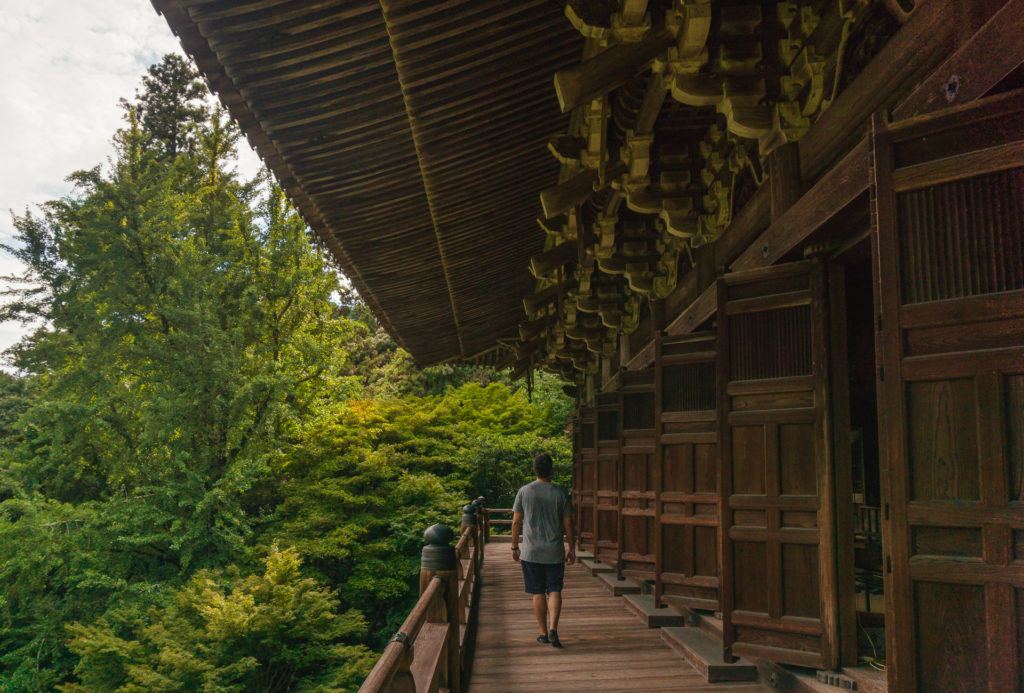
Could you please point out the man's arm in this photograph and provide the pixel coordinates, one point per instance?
(517, 528)
(570, 536)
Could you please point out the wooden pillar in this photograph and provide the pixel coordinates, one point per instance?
(438, 559)
(784, 178)
(658, 464)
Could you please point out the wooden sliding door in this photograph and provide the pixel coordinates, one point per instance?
(687, 521)
(779, 567)
(636, 496)
(606, 493)
(585, 482)
(950, 263)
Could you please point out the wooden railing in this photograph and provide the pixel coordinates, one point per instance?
(432, 651)
(503, 520)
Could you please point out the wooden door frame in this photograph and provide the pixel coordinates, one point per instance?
(832, 581)
(901, 625)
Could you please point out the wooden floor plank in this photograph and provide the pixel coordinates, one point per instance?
(606, 647)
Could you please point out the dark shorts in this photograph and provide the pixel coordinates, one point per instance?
(541, 578)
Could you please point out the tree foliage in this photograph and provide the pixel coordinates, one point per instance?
(216, 467)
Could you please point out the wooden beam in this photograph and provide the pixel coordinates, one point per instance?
(560, 198)
(532, 329)
(534, 302)
(565, 147)
(643, 358)
(849, 178)
(751, 220)
(650, 108)
(609, 69)
(543, 263)
(840, 186)
(983, 61)
(918, 46)
(696, 314)
(784, 177)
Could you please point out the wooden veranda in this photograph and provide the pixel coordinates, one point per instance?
(607, 647)
(473, 630)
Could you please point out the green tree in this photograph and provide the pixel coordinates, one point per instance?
(268, 632)
(197, 397)
(187, 329)
(171, 106)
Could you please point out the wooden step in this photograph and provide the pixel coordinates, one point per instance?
(792, 679)
(594, 567)
(706, 621)
(869, 680)
(705, 654)
(616, 586)
(582, 555)
(642, 605)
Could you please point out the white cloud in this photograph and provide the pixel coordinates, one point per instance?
(63, 66)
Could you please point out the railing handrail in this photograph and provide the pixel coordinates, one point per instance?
(448, 597)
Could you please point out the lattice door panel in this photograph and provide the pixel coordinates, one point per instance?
(949, 214)
(637, 495)
(779, 573)
(585, 479)
(606, 494)
(688, 500)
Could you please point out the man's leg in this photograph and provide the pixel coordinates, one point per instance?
(554, 609)
(540, 612)
(554, 576)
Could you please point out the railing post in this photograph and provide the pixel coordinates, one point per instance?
(469, 526)
(485, 529)
(438, 559)
(481, 524)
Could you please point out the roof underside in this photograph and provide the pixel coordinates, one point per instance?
(411, 136)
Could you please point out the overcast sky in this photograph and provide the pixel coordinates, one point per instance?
(63, 66)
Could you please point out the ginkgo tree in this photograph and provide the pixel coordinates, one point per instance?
(200, 422)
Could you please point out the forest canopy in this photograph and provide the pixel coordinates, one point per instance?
(216, 468)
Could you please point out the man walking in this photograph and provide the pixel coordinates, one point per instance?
(542, 514)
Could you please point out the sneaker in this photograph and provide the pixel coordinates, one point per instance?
(543, 639)
(553, 639)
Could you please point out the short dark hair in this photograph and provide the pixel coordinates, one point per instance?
(542, 465)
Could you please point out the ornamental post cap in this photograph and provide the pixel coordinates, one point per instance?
(438, 553)
(438, 535)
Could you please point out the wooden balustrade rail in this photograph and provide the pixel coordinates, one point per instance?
(433, 648)
(499, 521)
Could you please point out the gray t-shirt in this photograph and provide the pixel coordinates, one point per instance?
(543, 505)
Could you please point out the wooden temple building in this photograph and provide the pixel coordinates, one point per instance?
(775, 248)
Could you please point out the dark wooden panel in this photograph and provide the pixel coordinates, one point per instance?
(800, 592)
(942, 440)
(748, 459)
(751, 564)
(780, 581)
(1013, 387)
(952, 647)
(950, 267)
(608, 425)
(638, 411)
(770, 344)
(689, 387)
(798, 475)
(637, 476)
(585, 475)
(687, 460)
(962, 239)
